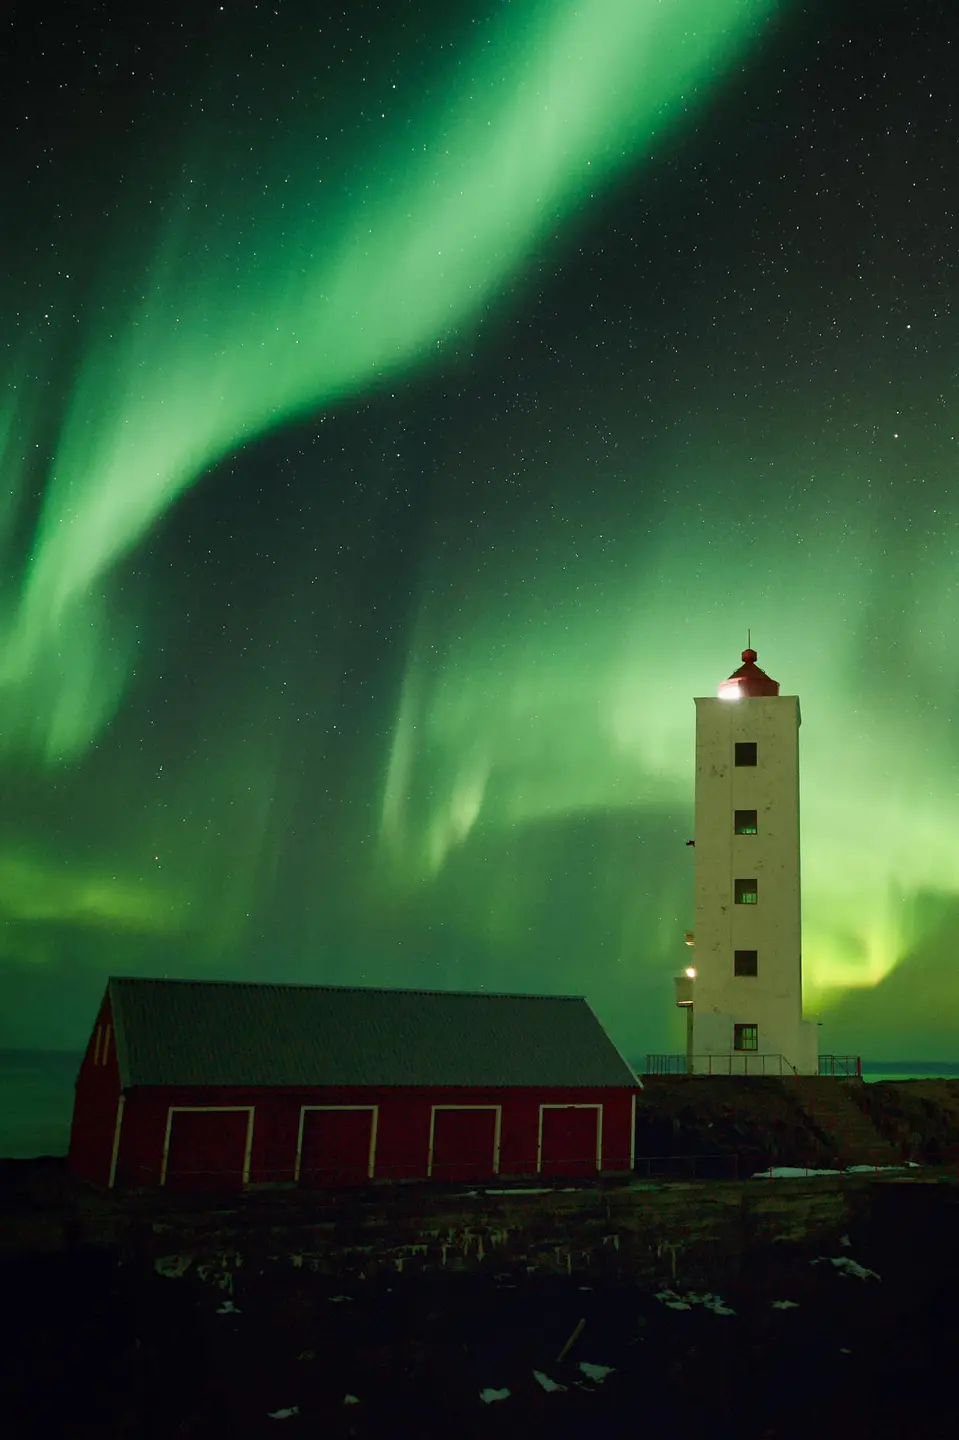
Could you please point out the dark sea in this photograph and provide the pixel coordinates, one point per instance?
(36, 1096)
(36, 1102)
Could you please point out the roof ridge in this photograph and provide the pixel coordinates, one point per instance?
(340, 989)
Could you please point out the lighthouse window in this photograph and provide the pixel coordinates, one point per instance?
(746, 962)
(745, 752)
(746, 892)
(746, 822)
(745, 1037)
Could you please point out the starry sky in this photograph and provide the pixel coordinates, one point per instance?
(405, 409)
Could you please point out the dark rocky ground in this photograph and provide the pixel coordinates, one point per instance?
(745, 1125)
(732, 1126)
(920, 1117)
(97, 1349)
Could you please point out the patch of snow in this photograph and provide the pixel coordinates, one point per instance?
(520, 1190)
(845, 1240)
(222, 1278)
(801, 1172)
(672, 1301)
(847, 1265)
(173, 1266)
(338, 1299)
(785, 1305)
(597, 1373)
(710, 1302)
(791, 1172)
(488, 1396)
(283, 1414)
(228, 1308)
(844, 1351)
(546, 1382)
(351, 1400)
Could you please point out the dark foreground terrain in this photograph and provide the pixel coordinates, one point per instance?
(98, 1348)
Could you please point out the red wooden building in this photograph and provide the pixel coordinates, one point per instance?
(217, 1085)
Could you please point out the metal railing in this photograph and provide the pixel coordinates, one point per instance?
(848, 1067)
(743, 1063)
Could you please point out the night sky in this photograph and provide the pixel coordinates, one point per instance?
(405, 411)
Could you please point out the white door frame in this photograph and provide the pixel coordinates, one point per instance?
(497, 1131)
(374, 1127)
(250, 1111)
(592, 1105)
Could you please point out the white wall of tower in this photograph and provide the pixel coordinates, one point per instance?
(772, 999)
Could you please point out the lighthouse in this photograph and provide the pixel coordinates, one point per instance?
(743, 990)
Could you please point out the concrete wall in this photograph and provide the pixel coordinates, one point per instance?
(772, 999)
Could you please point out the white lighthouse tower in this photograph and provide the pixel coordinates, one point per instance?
(743, 991)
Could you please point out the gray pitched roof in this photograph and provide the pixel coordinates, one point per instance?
(190, 1032)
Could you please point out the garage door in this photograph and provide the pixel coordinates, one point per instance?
(464, 1143)
(207, 1149)
(570, 1134)
(335, 1147)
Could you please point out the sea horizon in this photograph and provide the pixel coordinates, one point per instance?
(36, 1095)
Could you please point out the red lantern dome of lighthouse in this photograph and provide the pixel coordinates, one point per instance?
(748, 682)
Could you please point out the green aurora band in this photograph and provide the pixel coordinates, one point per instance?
(315, 301)
(565, 709)
(573, 696)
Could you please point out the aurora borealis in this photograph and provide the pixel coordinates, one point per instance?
(403, 417)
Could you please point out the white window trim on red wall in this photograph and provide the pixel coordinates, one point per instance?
(208, 1110)
(374, 1111)
(593, 1105)
(497, 1132)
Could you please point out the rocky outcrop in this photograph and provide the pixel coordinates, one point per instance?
(831, 1105)
(723, 1127)
(919, 1119)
